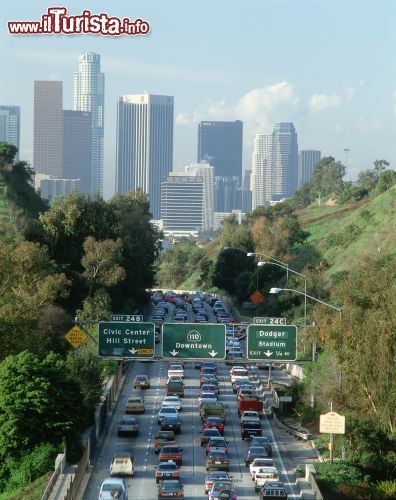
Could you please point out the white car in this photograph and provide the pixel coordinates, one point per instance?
(122, 464)
(250, 416)
(207, 397)
(241, 374)
(113, 487)
(258, 463)
(166, 411)
(175, 378)
(172, 402)
(263, 475)
(176, 370)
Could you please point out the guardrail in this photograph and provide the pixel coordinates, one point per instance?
(299, 434)
(60, 463)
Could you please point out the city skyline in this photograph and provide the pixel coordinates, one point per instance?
(333, 103)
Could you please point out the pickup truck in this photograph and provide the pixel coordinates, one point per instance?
(250, 404)
(263, 475)
(250, 416)
(250, 429)
(215, 409)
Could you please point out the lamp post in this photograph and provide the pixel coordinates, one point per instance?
(339, 309)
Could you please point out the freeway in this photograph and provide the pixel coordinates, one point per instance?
(142, 485)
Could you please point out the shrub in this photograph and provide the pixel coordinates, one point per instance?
(352, 193)
(385, 489)
(32, 465)
(344, 237)
(359, 491)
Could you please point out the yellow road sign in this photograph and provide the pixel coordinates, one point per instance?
(75, 336)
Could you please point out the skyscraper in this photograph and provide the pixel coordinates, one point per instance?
(284, 161)
(89, 96)
(226, 193)
(205, 171)
(307, 159)
(182, 203)
(220, 144)
(48, 128)
(10, 118)
(77, 148)
(144, 145)
(261, 178)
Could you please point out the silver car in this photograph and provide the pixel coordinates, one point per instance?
(128, 425)
(172, 402)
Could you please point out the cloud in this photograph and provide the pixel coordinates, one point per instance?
(320, 102)
(350, 90)
(365, 125)
(182, 119)
(259, 109)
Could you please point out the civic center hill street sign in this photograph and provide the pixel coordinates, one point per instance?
(272, 342)
(126, 340)
(193, 341)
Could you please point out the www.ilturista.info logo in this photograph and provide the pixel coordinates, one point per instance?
(57, 22)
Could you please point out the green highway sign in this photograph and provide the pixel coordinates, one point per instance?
(126, 340)
(135, 318)
(193, 341)
(272, 342)
(269, 321)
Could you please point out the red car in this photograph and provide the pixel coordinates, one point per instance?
(214, 423)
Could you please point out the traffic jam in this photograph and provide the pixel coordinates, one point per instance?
(221, 385)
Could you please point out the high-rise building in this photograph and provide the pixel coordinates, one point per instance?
(77, 148)
(226, 193)
(182, 203)
(220, 144)
(50, 187)
(246, 179)
(48, 128)
(261, 178)
(89, 96)
(10, 122)
(205, 171)
(144, 145)
(284, 161)
(307, 159)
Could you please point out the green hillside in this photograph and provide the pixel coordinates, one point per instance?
(341, 234)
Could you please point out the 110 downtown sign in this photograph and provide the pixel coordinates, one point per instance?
(193, 341)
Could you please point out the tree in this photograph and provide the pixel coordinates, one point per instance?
(97, 307)
(380, 165)
(386, 179)
(38, 402)
(7, 152)
(101, 263)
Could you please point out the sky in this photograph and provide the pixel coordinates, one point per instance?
(325, 65)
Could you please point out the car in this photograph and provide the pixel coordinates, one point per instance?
(258, 463)
(207, 397)
(264, 366)
(273, 489)
(166, 470)
(212, 409)
(178, 319)
(262, 441)
(222, 489)
(173, 402)
(171, 452)
(239, 374)
(210, 388)
(174, 378)
(214, 423)
(249, 429)
(208, 379)
(175, 388)
(176, 370)
(200, 318)
(122, 464)
(182, 313)
(245, 392)
(214, 476)
(241, 383)
(170, 489)
(163, 438)
(113, 487)
(209, 364)
(264, 475)
(217, 460)
(142, 382)
(171, 424)
(216, 442)
(255, 452)
(134, 404)
(207, 434)
(250, 416)
(163, 305)
(166, 411)
(128, 425)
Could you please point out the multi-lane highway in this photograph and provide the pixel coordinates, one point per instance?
(193, 470)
